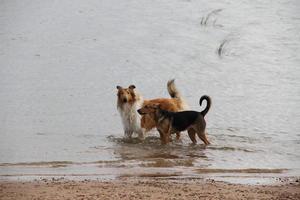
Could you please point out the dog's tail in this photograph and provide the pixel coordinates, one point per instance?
(208, 104)
(174, 93)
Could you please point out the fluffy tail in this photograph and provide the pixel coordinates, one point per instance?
(208, 104)
(174, 93)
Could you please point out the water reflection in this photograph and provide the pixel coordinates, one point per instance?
(150, 153)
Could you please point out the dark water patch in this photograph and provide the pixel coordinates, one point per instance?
(114, 166)
(162, 155)
(248, 170)
(152, 140)
(58, 165)
(150, 143)
(103, 162)
(196, 155)
(153, 143)
(41, 134)
(151, 175)
(122, 140)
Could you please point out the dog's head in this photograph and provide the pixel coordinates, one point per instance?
(126, 95)
(150, 108)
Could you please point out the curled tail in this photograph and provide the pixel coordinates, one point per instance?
(208, 104)
(174, 93)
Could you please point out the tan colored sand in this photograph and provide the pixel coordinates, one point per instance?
(143, 189)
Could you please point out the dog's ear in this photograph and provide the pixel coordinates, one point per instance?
(131, 87)
(119, 87)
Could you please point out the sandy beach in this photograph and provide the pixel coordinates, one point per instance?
(128, 188)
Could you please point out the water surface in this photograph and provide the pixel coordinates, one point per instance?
(61, 60)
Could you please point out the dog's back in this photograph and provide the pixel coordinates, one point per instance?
(182, 120)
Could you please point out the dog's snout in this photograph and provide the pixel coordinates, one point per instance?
(124, 100)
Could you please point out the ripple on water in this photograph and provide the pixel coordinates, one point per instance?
(168, 163)
(52, 164)
(226, 148)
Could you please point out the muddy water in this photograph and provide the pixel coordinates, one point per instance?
(59, 69)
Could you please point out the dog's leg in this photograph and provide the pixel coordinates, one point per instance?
(207, 142)
(166, 138)
(177, 136)
(141, 134)
(192, 134)
(162, 137)
(170, 138)
(200, 129)
(128, 134)
(205, 139)
(168, 132)
(201, 134)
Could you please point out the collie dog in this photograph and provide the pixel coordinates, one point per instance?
(129, 101)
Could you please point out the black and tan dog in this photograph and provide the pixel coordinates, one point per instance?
(174, 122)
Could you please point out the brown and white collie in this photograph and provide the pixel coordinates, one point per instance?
(129, 101)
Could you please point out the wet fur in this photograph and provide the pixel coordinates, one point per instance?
(168, 122)
(129, 101)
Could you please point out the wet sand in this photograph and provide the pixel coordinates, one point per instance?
(61, 60)
(128, 188)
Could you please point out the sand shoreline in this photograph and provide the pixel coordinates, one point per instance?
(144, 188)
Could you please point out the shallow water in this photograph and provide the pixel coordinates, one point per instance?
(60, 63)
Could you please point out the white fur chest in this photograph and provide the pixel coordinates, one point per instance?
(130, 118)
